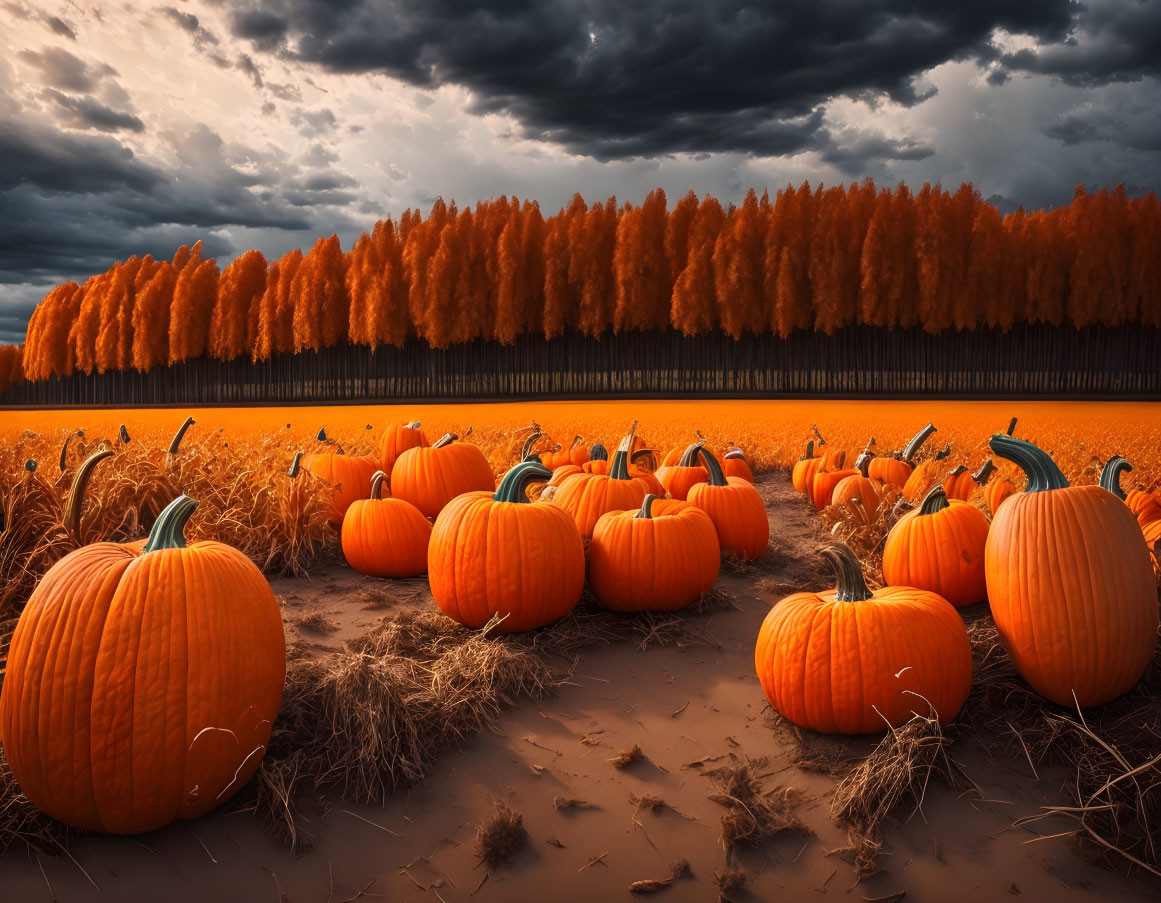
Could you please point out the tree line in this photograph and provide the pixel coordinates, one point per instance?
(810, 259)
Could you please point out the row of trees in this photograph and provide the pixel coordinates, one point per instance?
(811, 258)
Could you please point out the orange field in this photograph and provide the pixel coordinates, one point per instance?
(771, 432)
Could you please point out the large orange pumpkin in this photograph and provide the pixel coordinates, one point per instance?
(142, 680)
(349, 474)
(736, 509)
(859, 485)
(734, 464)
(896, 467)
(497, 554)
(802, 475)
(385, 537)
(852, 661)
(679, 478)
(939, 546)
(431, 477)
(958, 484)
(396, 439)
(652, 561)
(587, 496)
(824, 484)
(1070, 584)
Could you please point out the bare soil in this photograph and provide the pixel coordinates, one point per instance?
(591, 828)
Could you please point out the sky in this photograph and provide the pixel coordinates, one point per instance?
(134, 127)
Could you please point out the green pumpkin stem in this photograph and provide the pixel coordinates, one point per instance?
(934, 501)
(863, 461)
(985, 472)
(647, 507)
(911, 449)
(1012, 427)
(124, 434)
(378, 478)
(619, 469)
(850, 584)
(295, 465)
(598, 452)
(1111, 475)
(514, 486)
(690, 455)
(1043, 474)
(64, 451)
(175, 443)
(169, 529)
(72, 508)
(526, 449)
(717, 476)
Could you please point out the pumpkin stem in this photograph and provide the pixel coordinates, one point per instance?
(1043, 474)
(840, 460)
(179, 435)
(940, 455)
(1111, 475)
(985, 472)
(445, 439)
(532, 439)
(716, 476)
(124, 433)
(850, 584)
(514, 486)
(912, 447)
(598, 452)
(935, 500)
(169, 529)
(689, 456)
(809, 453)
(736, 453)
(295, 465)
(322, 434)
(1012, 426)
(647, 507)
(620, 466)
(863, 461)
(821, 441)
(30, 465)
(957, 470)
(378, 478)
(413, 425)
(577, 440)
(64, 450)
(72, 509)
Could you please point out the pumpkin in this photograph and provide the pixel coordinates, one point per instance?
(852, 661)
(647, 560)
(142, 680)
(563, 473)
(497, 555)
(925, 475)
(859, 485)
(686, 473)
(823, 487)
(349, 474)
(939, 546)
(587, 496)
(431, 477)
(734, 464)
(396, 439)
(1143, 505)
(896, 467)
(996, 491)
(385, 537)
(1070, 584)
(1146, 507)
(600, 466)
(958, 484)
(575, 454)
(644, 459)
(802, 475)
(736, 509)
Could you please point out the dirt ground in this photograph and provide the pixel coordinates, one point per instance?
(690, 709)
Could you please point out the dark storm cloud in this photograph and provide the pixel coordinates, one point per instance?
(189, 23)
(89, 113)
(852, 156)
(617, 80)
(1110, 41)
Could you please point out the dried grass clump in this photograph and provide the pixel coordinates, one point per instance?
(678, 869)
(754, 815)
(865, 529)
(628, 756)
(892, 781)
(500, 835)
(316, 622)
(731, 882)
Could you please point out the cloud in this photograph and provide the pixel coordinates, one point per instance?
(63, 70)
(190, 23)
(614, 80)
(60, 27)
(88, 113)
